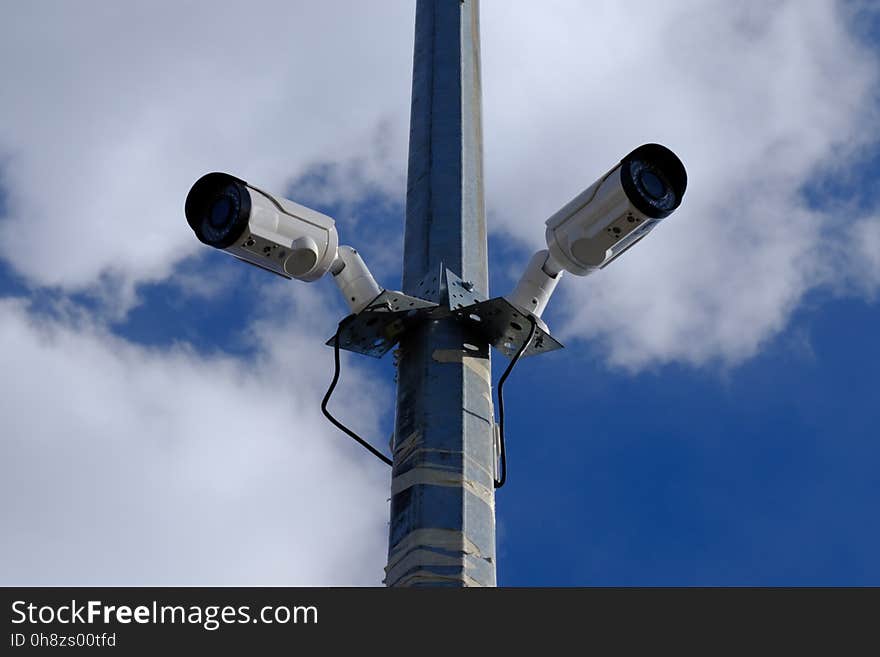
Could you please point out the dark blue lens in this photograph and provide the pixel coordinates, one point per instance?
(221, 212)
(218, 208)
(652, 184)
(653, 179)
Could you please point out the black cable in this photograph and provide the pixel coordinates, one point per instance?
(525, 345)
(327, 414)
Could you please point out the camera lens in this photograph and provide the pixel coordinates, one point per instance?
(221, 212)
(218, 208)
(653, 179)
(652, 184)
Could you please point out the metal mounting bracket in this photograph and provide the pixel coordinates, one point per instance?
(506, 327)
(377, 328)
(461, 294)
(498, 321)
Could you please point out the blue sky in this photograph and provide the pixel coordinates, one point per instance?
(764, 475)
(711, 421)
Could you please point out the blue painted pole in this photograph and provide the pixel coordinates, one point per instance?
(442, 494)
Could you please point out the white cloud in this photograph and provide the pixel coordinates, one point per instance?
(124, 465)
(110, 113)
(865, 256)
(757, 98)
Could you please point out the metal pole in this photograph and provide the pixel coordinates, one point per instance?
(442, 494)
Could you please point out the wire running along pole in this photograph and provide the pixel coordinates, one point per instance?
(329, 393)
(503, 448)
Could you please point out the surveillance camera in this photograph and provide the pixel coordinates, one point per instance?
(264, 230)
(616, 211)
(603, 221)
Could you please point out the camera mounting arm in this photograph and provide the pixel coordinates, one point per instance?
(537, 284)
(354, 280)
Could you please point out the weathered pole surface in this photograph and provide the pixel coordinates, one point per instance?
(442, 495)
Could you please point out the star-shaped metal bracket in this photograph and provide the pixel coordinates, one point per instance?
(377, 328)
(498, 321)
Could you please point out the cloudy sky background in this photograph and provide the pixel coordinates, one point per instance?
(161, 402)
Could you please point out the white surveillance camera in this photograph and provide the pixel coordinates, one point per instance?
(616, 211)
(276, 234)
(603, 221)
(264, 230)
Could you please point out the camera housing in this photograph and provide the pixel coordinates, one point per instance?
(603, 221)
(260, 228)
(616, 211)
